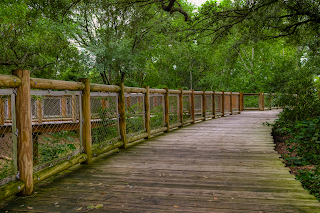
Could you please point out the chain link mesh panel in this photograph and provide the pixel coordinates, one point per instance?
(267, 101)
(8, 142)
(235, 102)
(157, 111)
(251, 101)
(187, 107)
(218, 104)
(135, 114)
(173, 109)
(227, 103)
(55, 125)
(104, 118)
(208, 104)
(275, 101)
(198, 106)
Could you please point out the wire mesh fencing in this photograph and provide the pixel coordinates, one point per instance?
(267, 101)
(56, 126)
(198, 106)
(227, 102)
(251, 101)
(135, 114)
(104, 118)
(208, 104)
(186, 107)
(157, 112)
(173, 109)
(218, 104)
(8, 138)
(235, 103)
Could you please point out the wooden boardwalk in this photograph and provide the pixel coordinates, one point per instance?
(222, 165)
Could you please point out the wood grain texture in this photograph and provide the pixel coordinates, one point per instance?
(223, 100)
(181, 107)
(147, 108)
(9, 81)
(225, 165)
(122, 117)
(231, 104)
(40, 83)
(86, 113)
(166, 109)
(192, 106)
(104, 88)
(204, 102)
(24, 140)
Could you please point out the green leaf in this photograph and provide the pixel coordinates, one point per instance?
(98, 206)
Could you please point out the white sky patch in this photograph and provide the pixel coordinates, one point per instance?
(197, 2)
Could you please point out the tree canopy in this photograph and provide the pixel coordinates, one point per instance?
(239, 45)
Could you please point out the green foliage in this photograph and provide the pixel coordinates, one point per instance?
(135, 118)
(305, 142)
(56, 145)
(156, 119)
(310, 180)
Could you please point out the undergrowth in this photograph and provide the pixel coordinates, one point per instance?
(298, 142)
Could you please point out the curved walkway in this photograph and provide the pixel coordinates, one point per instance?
(222, 165)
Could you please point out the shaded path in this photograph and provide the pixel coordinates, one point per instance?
(222, 165)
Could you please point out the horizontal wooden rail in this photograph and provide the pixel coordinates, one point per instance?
(162, 91)
(11, 188)
(134, 90)
(104, 88)
(171, 91)
(10, 81)
(198, 92)
(39, 83)
(251, 94)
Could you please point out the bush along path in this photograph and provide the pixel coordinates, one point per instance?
(299, 145)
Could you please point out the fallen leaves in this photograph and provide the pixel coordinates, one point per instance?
(176, 206)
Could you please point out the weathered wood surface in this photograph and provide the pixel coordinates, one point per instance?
(225, 165)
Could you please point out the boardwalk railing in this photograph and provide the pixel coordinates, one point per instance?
(47, 126)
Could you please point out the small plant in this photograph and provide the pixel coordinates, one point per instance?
(56, 145)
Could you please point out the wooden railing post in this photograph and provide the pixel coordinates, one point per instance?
(270, 101)
(192, 107)
(166, 110)
(147, 108)
(181, 107)
(239, 102)
(39, 111)
(214, 104)
(86, 114)
(222, 100)
(122, 117)
(204, 105)
(2, 117)
(263, 102)
(231, 104)
(24, 130)
(64, 107)
(260, 101)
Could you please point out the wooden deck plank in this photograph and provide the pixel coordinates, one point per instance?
(225, 165)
